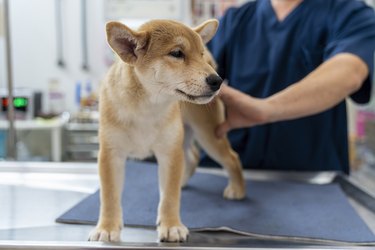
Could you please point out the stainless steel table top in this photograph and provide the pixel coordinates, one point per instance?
(33, 195)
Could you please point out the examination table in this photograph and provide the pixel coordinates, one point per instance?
(33, 195)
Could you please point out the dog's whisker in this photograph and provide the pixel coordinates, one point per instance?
(207, 107)
(182, 104)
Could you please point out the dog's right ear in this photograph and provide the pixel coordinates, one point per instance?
(125, 42)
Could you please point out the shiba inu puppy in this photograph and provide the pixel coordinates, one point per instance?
(151, 104)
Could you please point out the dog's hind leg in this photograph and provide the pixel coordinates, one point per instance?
(221, 151)
(203, 120)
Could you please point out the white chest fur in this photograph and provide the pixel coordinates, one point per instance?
(150, 128)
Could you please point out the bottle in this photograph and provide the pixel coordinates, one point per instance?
(78, 96)
(56, 97)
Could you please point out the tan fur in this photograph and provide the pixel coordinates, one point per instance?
(148, 98)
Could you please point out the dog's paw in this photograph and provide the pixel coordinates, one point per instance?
(234, 192)
(107, 235)
(177, 233)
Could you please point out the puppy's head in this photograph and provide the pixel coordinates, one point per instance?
(169, 58)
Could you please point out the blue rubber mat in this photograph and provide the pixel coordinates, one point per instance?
(286, 209)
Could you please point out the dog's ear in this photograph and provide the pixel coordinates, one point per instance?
(125, 42)
(207, 30)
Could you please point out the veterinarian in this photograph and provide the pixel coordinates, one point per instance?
(290, 64)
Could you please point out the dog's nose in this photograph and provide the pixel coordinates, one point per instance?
(214, 81)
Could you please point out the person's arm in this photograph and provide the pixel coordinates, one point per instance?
(322, 89)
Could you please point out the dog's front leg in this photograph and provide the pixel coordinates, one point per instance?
(111, 173)
(171, 163)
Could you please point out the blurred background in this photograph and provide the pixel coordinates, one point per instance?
(58, 56)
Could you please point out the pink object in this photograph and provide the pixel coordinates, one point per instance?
(362, 117)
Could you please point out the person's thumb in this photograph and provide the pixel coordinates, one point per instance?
(224, 91)
(228, 95)
(222, 129)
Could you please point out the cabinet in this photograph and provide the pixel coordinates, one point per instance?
(81, 141)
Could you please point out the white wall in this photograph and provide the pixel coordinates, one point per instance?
(33, 33)
(2, 46)
(2, 62)
(34, 45)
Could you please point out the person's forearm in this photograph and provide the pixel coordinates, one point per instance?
(325, 87)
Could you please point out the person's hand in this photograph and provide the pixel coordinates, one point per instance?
(242, 110)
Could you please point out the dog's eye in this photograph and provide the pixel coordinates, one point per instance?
(177, 54)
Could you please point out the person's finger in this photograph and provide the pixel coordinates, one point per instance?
(222, 129)
(226, 94)
(222, 89)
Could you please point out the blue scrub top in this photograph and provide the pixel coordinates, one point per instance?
(260, 56)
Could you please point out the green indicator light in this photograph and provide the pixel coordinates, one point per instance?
(20, 102)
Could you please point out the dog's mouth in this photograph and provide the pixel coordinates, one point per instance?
(195, 97)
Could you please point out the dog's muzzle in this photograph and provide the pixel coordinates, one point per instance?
(214, 81)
